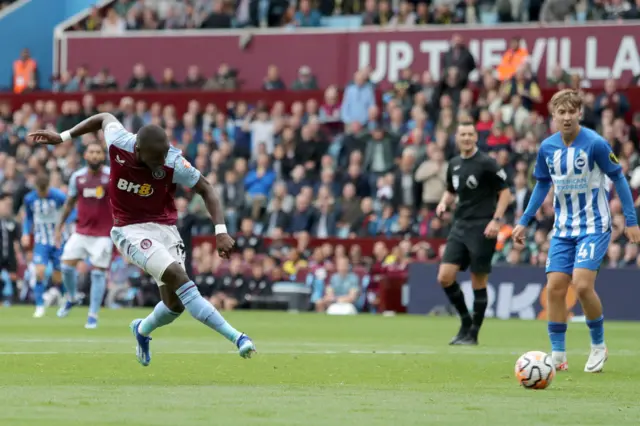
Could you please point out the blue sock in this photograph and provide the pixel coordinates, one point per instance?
(160, 316)
(98, 287)
(7, 290)
(203, 311)
(38, 293)
(69, 281)
(557, 334)
(596, 329)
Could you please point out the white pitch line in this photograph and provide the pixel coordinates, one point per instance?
(470, 352)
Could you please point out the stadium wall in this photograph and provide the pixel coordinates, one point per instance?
(31, 24)
(519, 292)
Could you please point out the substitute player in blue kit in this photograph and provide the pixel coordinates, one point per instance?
(43, 207)
(581, 165)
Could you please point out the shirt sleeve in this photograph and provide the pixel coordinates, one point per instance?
(450, 187)
(184, 173)
(60, 198)
(72, 191)
(116, 134)
(605, 159)
(27, 224)
(541, 169)
(497, 175)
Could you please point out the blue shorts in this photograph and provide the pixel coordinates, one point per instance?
(587, 252)
(43, 254)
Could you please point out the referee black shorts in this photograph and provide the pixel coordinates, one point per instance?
(467, 247)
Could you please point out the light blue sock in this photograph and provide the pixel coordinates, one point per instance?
(203, 311)
(596, 329)
(557, 333)
(69, 281)
(159, 317)
(98, 287)
(7, 290)
(38, 293)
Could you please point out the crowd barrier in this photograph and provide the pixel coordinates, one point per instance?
(519, 292)
(597, 51)
(181, 99)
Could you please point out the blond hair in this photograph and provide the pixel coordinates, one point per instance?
(568, 98)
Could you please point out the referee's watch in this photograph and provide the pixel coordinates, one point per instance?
(498, 219)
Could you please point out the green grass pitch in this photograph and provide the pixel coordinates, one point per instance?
(310, 370)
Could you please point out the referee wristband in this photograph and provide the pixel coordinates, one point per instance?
(65, 136)
(221, 229)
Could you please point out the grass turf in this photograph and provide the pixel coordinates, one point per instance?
(310, 370)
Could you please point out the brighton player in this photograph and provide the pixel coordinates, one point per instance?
(88, 192)
(579, 163)
(145, 170)
(43, 207)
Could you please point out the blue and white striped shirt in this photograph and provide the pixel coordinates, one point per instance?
(42, 216)
(581, 175)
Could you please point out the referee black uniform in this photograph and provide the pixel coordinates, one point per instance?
(478, 182)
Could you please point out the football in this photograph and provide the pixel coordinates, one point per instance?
(535, 370)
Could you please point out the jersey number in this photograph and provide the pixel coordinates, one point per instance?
(587, 250)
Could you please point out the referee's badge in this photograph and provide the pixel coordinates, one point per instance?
(456, 182)
(472, 182)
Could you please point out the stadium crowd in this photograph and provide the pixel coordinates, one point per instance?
(126, 15)
(347, 166)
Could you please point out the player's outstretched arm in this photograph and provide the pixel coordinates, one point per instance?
(90, 125)
(224, 242)
(68, 207)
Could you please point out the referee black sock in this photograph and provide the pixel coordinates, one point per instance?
(480, 302)
(456, 298)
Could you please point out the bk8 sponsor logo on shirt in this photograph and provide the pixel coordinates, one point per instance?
(143, 190)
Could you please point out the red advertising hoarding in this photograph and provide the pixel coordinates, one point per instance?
(597, 52)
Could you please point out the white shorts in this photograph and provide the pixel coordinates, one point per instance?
(150, 246)
(97, 249)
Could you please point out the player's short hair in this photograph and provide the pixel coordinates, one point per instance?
(567, 98)
(151, 135)
(96, 143)
(466, 123)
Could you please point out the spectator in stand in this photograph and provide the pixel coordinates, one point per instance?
(305, 80)
(512, 60)
(468, 12)
(358, 97)
(307, 16)
(141, 79)
(103, 80)
(113, 24)
(385, 13)
(225, 79)
(612, 99)
(25, 75)
(370, 14)
(273, 81)
(459, 57)
(258, 183)
(194, 79)
(557, 10)
(218, 18)
(344, 287)
(405, 16)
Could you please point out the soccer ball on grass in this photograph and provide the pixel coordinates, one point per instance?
(535, 370)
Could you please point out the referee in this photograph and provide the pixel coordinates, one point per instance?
(483, 196)
(9, 248)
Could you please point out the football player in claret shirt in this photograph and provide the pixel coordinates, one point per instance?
(89, 194)
(145, 170)
(580, 165)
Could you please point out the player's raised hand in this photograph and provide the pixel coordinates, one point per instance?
(224, 245)
(441, 209)
(518, 234)
(46, 137)
(633, 234)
